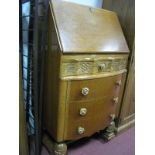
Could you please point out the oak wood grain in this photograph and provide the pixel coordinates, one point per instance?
(84, 29)
(62, 99)
(99, 105)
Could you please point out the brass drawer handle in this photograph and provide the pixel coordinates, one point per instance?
(112, 117)
(83, 111)
(81, 130)
(85, 91)
(115, 100)
(119, 83)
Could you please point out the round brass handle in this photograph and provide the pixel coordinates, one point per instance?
(83, 111)
(115, 100)
(101, 67)
(119, 83)
(85, 91)
(112, 116)
(81, 130)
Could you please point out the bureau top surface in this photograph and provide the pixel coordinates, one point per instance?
(83, 29)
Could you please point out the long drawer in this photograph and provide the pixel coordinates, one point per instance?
(88, 65)
(87, 90)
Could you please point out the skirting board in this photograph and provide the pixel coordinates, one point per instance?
(124, 127)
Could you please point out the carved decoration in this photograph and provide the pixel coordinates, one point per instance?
(109, 133)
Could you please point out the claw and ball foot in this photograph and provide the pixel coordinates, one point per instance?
(54, 148)
(60, 149)
(109, 133)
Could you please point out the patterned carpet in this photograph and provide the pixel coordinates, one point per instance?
(123, 144)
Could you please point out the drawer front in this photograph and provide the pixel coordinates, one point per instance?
(72, 66)
(87, 114)
(95, 118)
(88, 90)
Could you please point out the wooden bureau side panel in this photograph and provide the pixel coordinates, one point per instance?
(54, 88)
(50, 85)
(51, 93)
(54, 98)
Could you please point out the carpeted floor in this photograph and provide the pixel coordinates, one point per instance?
(123, 144)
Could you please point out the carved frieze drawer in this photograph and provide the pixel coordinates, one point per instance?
(94, 65)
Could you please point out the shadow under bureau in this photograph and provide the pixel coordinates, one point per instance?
(85, 72)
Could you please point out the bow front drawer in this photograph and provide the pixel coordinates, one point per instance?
(88, 90)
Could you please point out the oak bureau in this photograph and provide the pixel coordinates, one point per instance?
(86, 65)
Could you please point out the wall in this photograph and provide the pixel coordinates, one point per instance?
(93, 3)
(125, 10)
